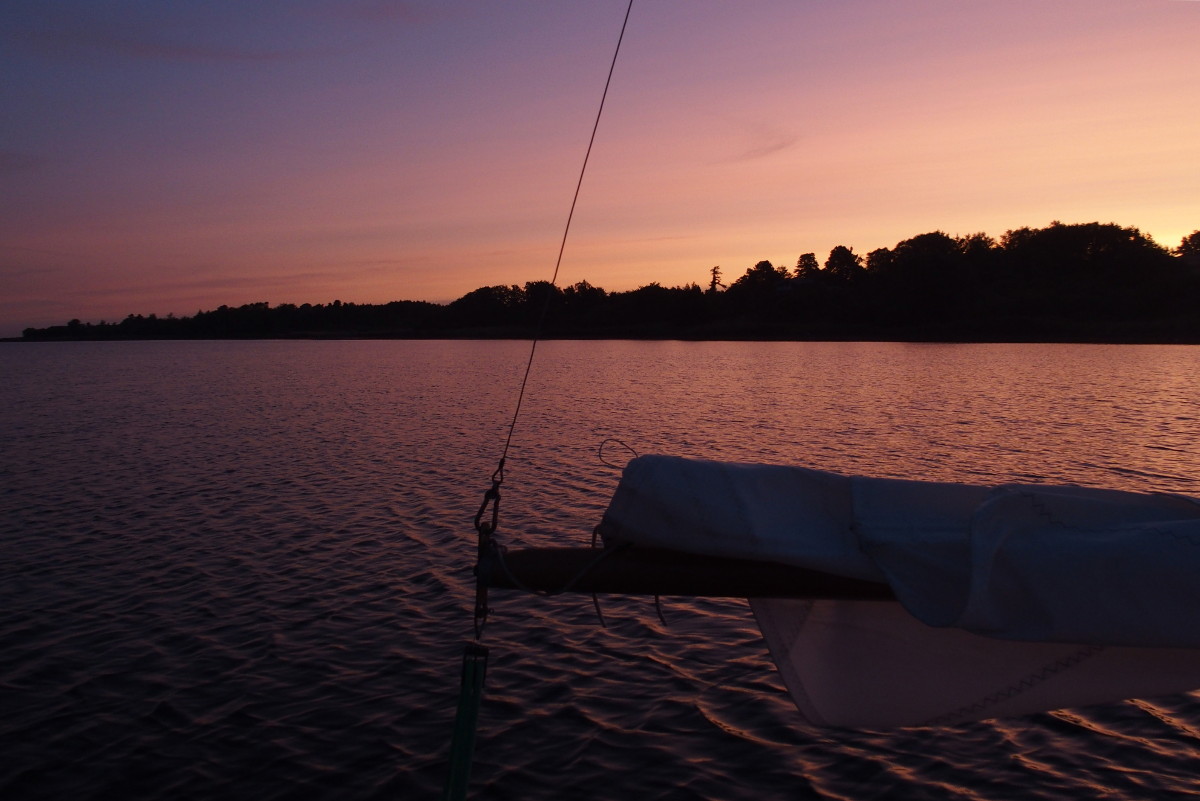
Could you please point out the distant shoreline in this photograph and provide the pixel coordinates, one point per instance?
(1169, 333)
(1080, 283)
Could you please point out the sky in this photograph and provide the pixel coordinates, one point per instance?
(172, 157)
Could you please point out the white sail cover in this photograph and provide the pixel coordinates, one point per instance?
(1017, 598)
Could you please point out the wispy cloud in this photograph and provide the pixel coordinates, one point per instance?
(764, 142)
(137, 45)
(8, 251)
(130, 32)
(384, 11)
(12, 161)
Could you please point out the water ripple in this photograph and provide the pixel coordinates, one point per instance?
(242, 570)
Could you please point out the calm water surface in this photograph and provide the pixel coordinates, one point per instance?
(242, 569)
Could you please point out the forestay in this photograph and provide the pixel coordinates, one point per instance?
(1015, 599)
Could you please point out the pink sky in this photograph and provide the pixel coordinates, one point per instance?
(166, 158)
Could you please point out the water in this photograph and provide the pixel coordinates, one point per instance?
(242, 569)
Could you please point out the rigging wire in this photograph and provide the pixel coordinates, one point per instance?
(485, 524)
(475, 656)
(562, 247)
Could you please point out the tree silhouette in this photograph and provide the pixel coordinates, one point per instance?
(807, 266)
(844, 265)
(1189, 249)
(488, 305)
(1085, 269)
(762, 276)
(758, 290)
(879, 261)
(542, 301)
(583, 304)
(714, 280)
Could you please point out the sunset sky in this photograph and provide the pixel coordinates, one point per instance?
(164, 157)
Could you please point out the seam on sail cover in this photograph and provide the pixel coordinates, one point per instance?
(780, 644)
(973, 711)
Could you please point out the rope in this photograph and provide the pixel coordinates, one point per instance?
(600, 452)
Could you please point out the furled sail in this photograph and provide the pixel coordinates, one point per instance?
(1015, 599)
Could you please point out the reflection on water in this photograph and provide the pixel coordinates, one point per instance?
(243, 569)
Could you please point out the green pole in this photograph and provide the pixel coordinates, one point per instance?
(462, 745)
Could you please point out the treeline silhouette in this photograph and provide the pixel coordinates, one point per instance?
(1079, 282)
